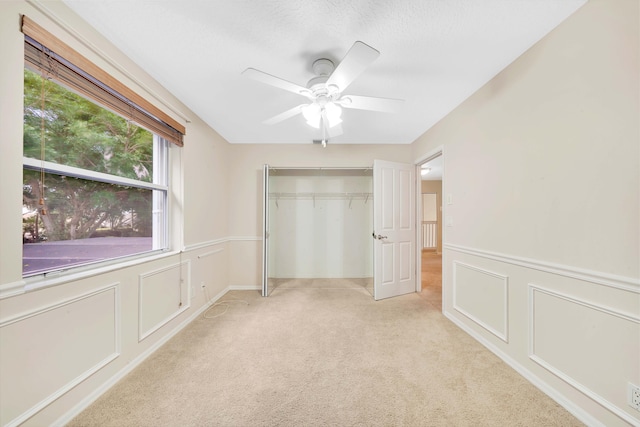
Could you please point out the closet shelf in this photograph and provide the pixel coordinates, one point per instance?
(346, 196)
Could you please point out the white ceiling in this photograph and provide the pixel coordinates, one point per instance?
(433, 54)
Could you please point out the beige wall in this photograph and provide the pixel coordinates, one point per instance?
(435, 187)
(247, 160)
(542, 260)
(48, 364)
(206, 187)
(245, 192)
(555, 138)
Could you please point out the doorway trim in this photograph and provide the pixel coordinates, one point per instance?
(430, 155)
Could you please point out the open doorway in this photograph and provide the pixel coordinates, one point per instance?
(431, 195)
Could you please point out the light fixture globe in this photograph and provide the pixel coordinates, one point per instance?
(333, 112)
(312, 114)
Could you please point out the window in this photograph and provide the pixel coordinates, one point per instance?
(95, 165)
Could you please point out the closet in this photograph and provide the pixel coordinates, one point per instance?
(319, 224)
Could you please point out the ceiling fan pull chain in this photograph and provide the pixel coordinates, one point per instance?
(324, 131)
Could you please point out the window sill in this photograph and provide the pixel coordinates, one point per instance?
(52, 279)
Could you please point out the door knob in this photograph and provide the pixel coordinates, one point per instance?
(378, 236)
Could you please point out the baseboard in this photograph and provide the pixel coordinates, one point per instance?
(562, 400)
(92, 397)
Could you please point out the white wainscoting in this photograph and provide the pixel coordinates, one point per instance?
(207, 244)
(208, 254)
(482, 296)
(597, 277)
(587, 327)
(50, 350)
(574, 333)
(163, 294)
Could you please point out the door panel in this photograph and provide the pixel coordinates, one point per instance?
(387, 259)
(387, 200)
(394, 229)
(406, 264)
(405, 193)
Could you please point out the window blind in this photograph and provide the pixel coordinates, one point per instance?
(55, 60)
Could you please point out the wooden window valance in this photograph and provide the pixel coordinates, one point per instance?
(54, 59)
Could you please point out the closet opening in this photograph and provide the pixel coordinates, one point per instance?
(318, 224)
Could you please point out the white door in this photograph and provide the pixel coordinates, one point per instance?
(394, 232)
(265, 230)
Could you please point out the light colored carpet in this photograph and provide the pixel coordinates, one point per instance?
(323, 353)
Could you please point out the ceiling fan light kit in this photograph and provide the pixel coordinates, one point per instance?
(315, 113)
(325, 91)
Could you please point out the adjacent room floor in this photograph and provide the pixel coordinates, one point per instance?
(431, 277)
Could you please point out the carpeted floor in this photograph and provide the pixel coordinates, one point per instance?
(324, 353)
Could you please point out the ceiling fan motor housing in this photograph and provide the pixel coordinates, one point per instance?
(318, 85)
(323, 67)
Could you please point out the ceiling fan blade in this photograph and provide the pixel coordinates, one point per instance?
(385, 105)
(284, 116)
(263, 77)
(335, 131)
(357, 59)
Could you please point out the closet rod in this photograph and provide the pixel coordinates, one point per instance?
(364, 168)
(321, 195)
(363, 171)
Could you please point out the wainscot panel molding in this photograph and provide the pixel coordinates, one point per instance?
(206, 254)
(599, 278)
(67, 362)
(220, 241)
(206, 244)
(162, 296)
(562, 400)
(482, 296)
(587, 326)
(93, 396)
(576, 338)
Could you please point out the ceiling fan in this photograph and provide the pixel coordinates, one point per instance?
(325, 91)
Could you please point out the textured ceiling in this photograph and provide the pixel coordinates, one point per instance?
(433, 54)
